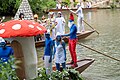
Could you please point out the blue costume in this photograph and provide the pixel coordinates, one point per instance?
(60, 53)
(72, 43)
(73, 32)
(5, 52)
(48, 53)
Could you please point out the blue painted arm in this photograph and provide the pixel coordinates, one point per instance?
(51, 51)
(54, 49)
(63, 43)
(71, 32)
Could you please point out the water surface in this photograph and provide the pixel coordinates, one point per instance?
(107, 23)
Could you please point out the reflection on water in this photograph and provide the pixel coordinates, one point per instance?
(107, 22)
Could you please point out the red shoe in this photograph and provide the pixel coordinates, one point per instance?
(74, 65)
(70, 63)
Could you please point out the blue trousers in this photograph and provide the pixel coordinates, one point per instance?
(58, 66)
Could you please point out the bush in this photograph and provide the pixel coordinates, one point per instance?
(7, 69)
(68, 74)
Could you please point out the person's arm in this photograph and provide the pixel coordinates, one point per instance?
(51, 51)
(71, 32)
(63, 43)
(54, 49)
(75, 12)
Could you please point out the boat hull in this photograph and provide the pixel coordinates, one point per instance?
(82, 65)
(66, 39)
(84, 9)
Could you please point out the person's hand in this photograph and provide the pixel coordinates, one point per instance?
(50, 60)
(43, 57)
(62, 35)
(65, 59)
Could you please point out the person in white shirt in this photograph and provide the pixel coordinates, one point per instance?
(51, 21)
(60, 24)
(79, 13)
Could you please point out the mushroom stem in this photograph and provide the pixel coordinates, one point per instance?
(30, 56)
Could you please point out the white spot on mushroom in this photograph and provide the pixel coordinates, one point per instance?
(31, 26)
(2, 24)
(16, 27)
(39, 28)
(33, 22)
(2, 31)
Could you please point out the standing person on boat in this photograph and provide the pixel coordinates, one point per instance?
(5, 51)
(51, 20)
(21, 16)
(59, 52)
(70, 18)
(72, 43)
(79, 13)
(60, 24)
(48, 53)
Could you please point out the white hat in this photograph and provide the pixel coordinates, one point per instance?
(58, 33)
(1, 40)
(50, 13)
(59, 12)
(48, 31)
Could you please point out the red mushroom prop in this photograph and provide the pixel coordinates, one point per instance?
(23, 31)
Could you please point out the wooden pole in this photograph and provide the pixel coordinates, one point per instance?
(91, 26)
(98, 51)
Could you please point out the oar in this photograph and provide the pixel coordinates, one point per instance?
(87, 23)
(98, 51)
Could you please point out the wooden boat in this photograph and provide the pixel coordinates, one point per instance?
(82, 64)
(84, 9)
(79, 35)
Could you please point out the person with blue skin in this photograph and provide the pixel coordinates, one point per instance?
(5, 51)
(59, 52)
(48, 51)
(72, 42)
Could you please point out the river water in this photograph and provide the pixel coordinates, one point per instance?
(107, 23)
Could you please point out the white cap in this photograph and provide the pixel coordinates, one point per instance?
(59, 12)
(58, 33)
(50, 13)
(1, 40)
(48, 32)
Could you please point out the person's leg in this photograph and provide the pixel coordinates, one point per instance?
(64, 65)
(82, 25)
(74, 52)
(78, 25)
(48, 66)
(70, 49)
(57, 66)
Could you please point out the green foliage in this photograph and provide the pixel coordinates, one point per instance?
(39, 6)
(7, 70)
(8, 7)
(69, 74)
(66, 2)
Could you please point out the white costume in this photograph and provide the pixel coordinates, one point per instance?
(59, 54)
(48, 66)
(52, 25)
(79, 12)
(60, 27)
